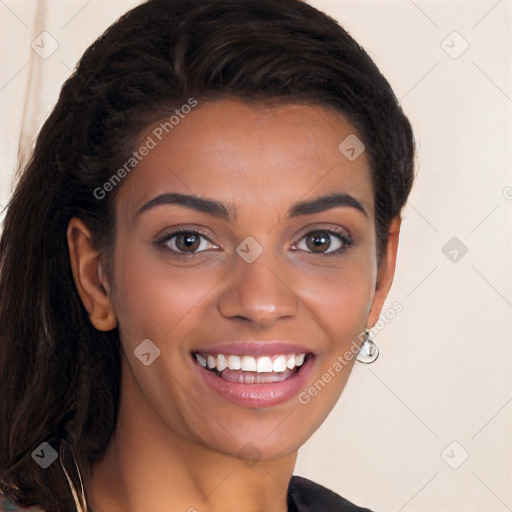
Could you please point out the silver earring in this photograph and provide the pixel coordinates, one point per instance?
(369, 350)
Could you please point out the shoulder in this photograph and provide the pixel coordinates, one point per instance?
(307, 496)
(7, 505)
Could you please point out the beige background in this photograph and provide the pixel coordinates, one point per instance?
(444, 375)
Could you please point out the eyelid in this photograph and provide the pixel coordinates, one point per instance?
(183, 228)
(338, 230)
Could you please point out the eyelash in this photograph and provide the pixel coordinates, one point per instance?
(160, 243)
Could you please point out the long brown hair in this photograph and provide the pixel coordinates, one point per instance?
(59, 376)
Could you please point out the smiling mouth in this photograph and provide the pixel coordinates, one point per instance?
(246, 369)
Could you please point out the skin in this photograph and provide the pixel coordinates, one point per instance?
(177, 442)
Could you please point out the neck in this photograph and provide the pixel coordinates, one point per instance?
(148, 466)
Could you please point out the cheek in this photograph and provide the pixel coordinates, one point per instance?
(340, 301)
(152, 300)
(342, 296)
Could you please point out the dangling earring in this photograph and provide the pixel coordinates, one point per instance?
(369, 350)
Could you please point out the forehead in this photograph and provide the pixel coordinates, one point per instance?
(258, 156)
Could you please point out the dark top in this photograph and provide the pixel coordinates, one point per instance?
(306, 496)
(303, 496)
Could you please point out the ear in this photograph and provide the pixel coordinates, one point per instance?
(386, 272)
(90, 279)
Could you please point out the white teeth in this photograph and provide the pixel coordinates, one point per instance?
(248, 364)
(221, 362)
(234, 363)
(279, 364)
(263, 364)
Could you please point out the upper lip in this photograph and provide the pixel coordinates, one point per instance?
(255, 349)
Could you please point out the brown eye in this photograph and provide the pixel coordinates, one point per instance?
(318, 241)
(187, 242)
(184, 242)
(325, 242)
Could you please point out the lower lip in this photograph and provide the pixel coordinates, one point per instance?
(257, 395)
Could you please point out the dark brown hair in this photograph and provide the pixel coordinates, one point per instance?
(59, 376)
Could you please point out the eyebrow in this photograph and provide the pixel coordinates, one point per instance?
(226, 211)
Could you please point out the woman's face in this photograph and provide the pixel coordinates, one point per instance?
(253, 278)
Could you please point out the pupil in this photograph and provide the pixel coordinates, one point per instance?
(190, 241)
(320, 240)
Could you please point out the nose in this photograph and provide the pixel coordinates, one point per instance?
(259, 292)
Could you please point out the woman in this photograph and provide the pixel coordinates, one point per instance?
(206, 230)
